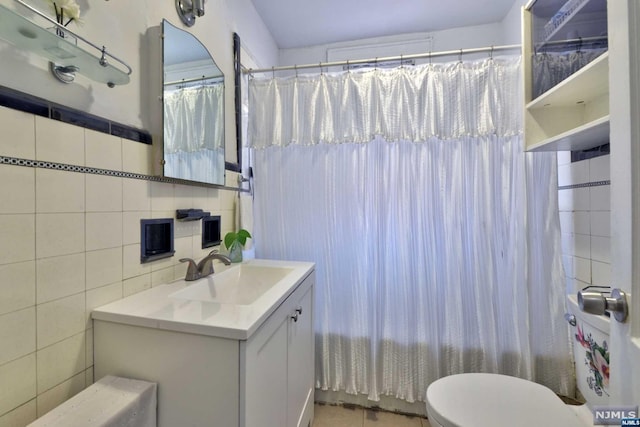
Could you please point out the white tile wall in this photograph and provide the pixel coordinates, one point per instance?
(585, 222)
(59, 277)
(60, 319)
(59, 191)
(17, 286)
(18, 133)
(18, 379)
(104, 230)
(59, 142)
(21, 232)
(103, 151)
(58, 394)
(103, 267)
(21, 416)
(71, 242)
(60, 361)
(59, 234)
(17, 334)
(104, 193)
(19, 196)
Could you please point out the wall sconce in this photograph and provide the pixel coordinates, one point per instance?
(189, 9)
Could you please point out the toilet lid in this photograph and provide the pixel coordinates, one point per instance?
(493, 400)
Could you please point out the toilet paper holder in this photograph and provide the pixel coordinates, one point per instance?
(598, 303)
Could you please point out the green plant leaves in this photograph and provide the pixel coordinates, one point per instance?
(241, 237)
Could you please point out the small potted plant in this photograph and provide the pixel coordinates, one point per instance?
(234, 242)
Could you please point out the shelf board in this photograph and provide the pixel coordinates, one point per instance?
(587, 136)
(29, 36)
(587, 84)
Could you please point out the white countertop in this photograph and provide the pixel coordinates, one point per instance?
(154, 308)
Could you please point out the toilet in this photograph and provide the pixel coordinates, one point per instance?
(483, 400)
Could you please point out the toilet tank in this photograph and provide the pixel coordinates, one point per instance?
(590, 338)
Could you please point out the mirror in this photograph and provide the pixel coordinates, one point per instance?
(193, 109)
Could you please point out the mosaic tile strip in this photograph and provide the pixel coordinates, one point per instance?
(15, 161)
(583, 185)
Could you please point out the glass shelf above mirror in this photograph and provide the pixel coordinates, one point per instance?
(59, 45)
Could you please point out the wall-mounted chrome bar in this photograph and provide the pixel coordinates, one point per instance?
(459, 52)
(102, 50)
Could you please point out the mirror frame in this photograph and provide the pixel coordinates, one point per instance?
(237, 80)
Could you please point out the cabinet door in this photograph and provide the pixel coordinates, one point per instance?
(265, 376)
(300, 369)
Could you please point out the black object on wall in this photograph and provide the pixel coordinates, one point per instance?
(191, 214)
(156, 239)
(211, 231)
(237, 79)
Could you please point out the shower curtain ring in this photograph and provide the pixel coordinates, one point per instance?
(460, 56)
(430, 58)
(348, 67)
(273, 72)
(491, 53)
(295, 67)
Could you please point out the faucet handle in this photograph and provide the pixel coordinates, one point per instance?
(192, 269)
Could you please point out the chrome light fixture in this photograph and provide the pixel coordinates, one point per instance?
(188, 10)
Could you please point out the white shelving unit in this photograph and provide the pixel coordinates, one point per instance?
(583, 137)
(574, 114)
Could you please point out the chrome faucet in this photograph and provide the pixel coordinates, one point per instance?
(205, 267)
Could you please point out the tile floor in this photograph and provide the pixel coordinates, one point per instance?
(340, 416)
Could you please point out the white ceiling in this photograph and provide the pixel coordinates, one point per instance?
(300, 23)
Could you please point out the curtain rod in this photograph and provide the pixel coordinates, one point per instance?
(460, 52)
(193, 79)
(579, 40)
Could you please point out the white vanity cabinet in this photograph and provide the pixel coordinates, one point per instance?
(265, 379)
(278, 361)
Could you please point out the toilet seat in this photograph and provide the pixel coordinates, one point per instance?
(494, 400)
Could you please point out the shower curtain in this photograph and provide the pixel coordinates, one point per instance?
(435, 237)
(193, 137)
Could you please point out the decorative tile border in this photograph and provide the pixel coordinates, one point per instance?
(81, 169)
(15, 161)
(21, 101)
(583, 185)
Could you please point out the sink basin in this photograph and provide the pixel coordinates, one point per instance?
(239, 285)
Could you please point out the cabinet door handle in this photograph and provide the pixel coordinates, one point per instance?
(299, 310)
(294, 317)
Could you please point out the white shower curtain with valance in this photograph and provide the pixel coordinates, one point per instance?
(435, 237)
